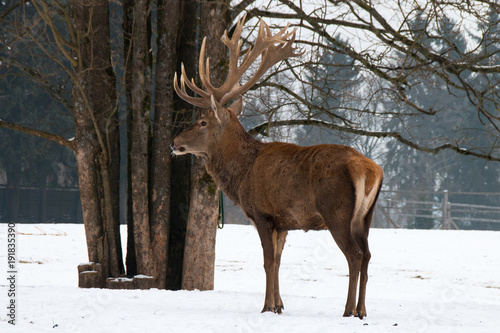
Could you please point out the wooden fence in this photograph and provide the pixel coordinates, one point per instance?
(445, 210)
(395, 209)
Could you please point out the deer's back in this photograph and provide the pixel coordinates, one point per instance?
(287, 183)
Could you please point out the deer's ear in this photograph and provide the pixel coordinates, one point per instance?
(219, 111)
(237, 106)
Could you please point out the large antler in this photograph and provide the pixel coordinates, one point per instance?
(265, 46)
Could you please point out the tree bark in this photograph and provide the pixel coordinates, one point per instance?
(96, 143)
(168, 22)
(181, 166)
(128, 19)
(141, 111)
(91, 208)
(199, 253)
(103, 95)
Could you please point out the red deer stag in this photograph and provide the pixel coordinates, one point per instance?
(281, 186)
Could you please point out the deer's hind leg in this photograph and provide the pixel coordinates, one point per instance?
(338, 221)
(280, 243)
(361, 309)
(361, 236)
(354, 257)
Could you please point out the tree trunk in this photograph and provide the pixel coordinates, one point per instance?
(199, 254)
(91, 208)
(128, 19)
(199, 251)
(86, 149)
(86, 156)
(103, 95)
(181, 166)
(168, 22)
(96, 136)
(141, 111)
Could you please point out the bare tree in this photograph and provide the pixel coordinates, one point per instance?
(397, 47)
(76, 36)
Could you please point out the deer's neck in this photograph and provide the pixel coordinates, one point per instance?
(230, 160)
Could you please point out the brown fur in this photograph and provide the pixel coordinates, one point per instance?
(282, 186)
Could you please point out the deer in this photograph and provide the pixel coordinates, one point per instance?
(280, 186)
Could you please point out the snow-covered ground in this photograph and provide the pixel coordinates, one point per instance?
(420, 281)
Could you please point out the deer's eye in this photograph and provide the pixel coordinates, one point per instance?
(203, 123)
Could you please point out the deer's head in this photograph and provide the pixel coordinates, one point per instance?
(206, 131)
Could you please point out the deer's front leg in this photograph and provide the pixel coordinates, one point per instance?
(268, 240)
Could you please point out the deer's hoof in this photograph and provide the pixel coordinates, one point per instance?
(361, 314)
(268, 309)
(274, 309)
(348, 314)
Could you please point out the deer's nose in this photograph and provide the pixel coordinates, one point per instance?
(177, 149)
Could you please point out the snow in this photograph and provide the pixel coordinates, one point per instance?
(420, 281)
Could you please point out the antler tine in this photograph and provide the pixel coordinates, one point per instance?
(264, 46)
(280, 36)
(181, 91)
(207, 75)
(264, 40)
(236, 34)
(239, 27)
(290, 43)
(192, 85)
(270, 56)
(268, 30)
(234, 45)
(282, 31)
(205, 69)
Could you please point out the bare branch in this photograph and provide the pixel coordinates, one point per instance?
(12, 8)
(263, 129)
(62, 43)
(239, 8)
(37, 77)
(300, 99)
(41, 134)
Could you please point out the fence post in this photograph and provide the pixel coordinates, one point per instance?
(445, 224)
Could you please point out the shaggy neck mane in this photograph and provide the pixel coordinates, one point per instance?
(232, 157)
